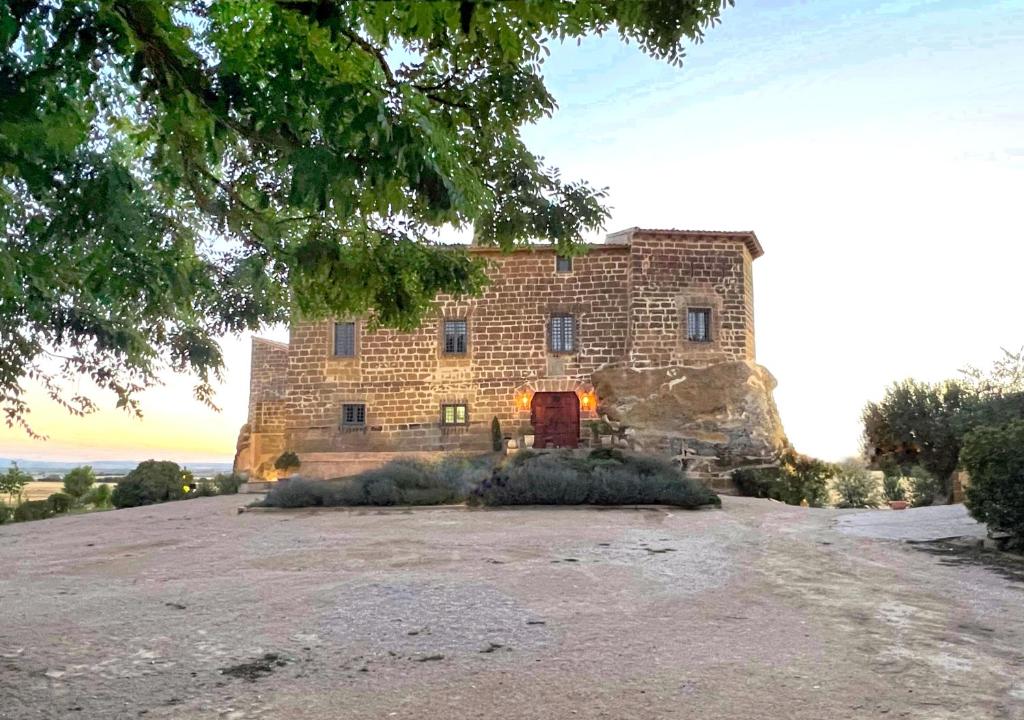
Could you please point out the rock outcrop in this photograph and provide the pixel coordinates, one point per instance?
(713, 419)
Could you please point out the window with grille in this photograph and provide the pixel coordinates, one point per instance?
(563, 264)
(345, 339)
(698, 324)
(563, 333)
(455, 337)
(353, 415)
(454, 415)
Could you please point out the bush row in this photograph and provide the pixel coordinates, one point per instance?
(603, 477)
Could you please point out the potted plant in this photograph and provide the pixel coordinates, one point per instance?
(895, 493)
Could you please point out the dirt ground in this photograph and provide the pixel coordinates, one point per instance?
(191, 610)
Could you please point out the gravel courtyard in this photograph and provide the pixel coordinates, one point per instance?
(758, 610)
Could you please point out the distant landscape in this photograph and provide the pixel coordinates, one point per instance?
(103, 468)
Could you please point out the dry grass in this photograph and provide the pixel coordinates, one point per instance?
(40, 490)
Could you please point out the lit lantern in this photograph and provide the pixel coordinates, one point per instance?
(522, 400)
(588, 401)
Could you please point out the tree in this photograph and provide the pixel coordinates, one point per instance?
(78, 481)
(918, 423)
(13, 482)
(174, 171)
(151, 482)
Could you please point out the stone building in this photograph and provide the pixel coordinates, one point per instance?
(646, 339)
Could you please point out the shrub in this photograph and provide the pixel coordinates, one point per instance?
(228, 483)
(854, 486)
(497, 439)
(60, 502)
(287, 461)
(606, 476)
(399, 482)
(6, 513)
(78, 481)
(994, 459)
(893, 487)
(756, 482)
(795, 479)
(151, 482)
(32, 510)
(205, 488)
(925, 488)
(99, 496)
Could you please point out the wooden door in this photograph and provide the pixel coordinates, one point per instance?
(555, 417)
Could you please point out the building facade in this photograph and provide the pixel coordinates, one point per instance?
(539, 351)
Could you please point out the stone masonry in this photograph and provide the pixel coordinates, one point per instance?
(627, 301)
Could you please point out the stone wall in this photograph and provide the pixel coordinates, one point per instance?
(262, 439)
(671, 273)
(403, 378)
(629, 298)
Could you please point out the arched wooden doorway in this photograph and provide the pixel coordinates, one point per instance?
(555, 417)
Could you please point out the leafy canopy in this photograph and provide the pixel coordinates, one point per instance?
(174, 171)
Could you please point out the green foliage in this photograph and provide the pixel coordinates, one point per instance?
(854, 485)
(497, 439)
(33, 510)
(795, 479)
(78, 481)
(925, 488)
(287, 461)
(60, 502)
(205, 488)
(13, 482)
(399, 482)
(604, 477)
(323, 144)
(6, 513)
(994, 459)
(151, 482)
(893, 487)
(99, 496)
(918, 423)
(228, 483)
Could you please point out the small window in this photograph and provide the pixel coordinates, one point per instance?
(563, 263)
(455, 337)
(563, 333)
(353, 415)
(345, 339)
(698, 324)
(453, 415)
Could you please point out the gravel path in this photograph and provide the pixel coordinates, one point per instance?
(190, 610)
(925, 524)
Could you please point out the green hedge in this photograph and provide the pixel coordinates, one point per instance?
(151, 482)
(994, 459)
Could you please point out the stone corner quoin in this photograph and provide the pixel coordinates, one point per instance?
(652, 331)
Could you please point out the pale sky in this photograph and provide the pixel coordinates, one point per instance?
(877, 149)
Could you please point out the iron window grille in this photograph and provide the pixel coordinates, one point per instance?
(455, 337)
(563, 333)
(563, 264)
(345, 339)
(353, 415)
(698, 324)
(455, 414)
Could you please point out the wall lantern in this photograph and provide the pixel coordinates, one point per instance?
(588, 401)
(522, 400)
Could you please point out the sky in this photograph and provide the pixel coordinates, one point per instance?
(876, 148)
